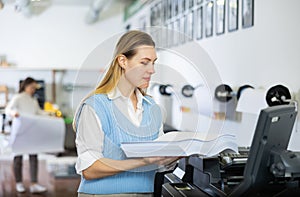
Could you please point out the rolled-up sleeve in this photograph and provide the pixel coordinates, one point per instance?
(89, 139)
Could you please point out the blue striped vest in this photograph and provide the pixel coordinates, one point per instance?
(117, 129)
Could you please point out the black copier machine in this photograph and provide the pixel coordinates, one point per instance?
(266, 169)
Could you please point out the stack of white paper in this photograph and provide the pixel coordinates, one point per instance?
(37, 134)
(182, 144)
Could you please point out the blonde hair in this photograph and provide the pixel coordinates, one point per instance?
(126, 46)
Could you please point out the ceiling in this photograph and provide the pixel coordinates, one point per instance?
(57, 2)
(72, 2)
(104, 8)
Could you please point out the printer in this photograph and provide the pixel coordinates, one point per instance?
(266, 169)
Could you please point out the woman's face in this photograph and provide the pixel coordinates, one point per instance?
(31, 88)
(140, 67)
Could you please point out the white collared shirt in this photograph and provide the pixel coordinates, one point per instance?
(24, 103)
(90, 136)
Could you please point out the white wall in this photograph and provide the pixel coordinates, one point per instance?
(262, 56)
(265, 54)
(58, 38)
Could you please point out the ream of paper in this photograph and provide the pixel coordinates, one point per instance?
(181, 143)
(37, 134)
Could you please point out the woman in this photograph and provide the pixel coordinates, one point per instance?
(25, 103)
(119, 111)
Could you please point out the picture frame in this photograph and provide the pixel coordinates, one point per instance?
(179, 7)
(170, 34)
(247, 13)
(209, 8)
(183, 5)
(175, 8)
(169, 9)
(191, 4)
(190, 25)
(156, 15)
(220, 17)
(183, 29)
(199, 2)
(164, 7)
(176, 36)
(152, 16)
(233, 15)
(159, 13)
(199, 23)
(185, 18)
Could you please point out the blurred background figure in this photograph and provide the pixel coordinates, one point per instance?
(25, 103)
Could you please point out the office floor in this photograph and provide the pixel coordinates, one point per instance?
(57, 187)
(56, 172)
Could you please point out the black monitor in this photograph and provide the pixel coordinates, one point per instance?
(272, 133)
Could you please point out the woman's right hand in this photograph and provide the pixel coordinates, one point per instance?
(16, 114)
(104, 167)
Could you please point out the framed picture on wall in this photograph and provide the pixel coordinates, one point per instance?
(220, 16)
(176, 37)
(247, 13)
(191, 3)
(152, 16)
(185, 18)
(155, 15)
(182, 5)
(209, 19)
(233, 15)
(170, 34)
(199, 23)
(159, 13)
(190, 25)
(199, 2)
(169, 9)
(175, 8)
(183, 29)
(163, 11)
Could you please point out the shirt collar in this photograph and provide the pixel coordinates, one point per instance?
(116, 93)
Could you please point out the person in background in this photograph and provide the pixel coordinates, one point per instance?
(25, 103)
(120, 111)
